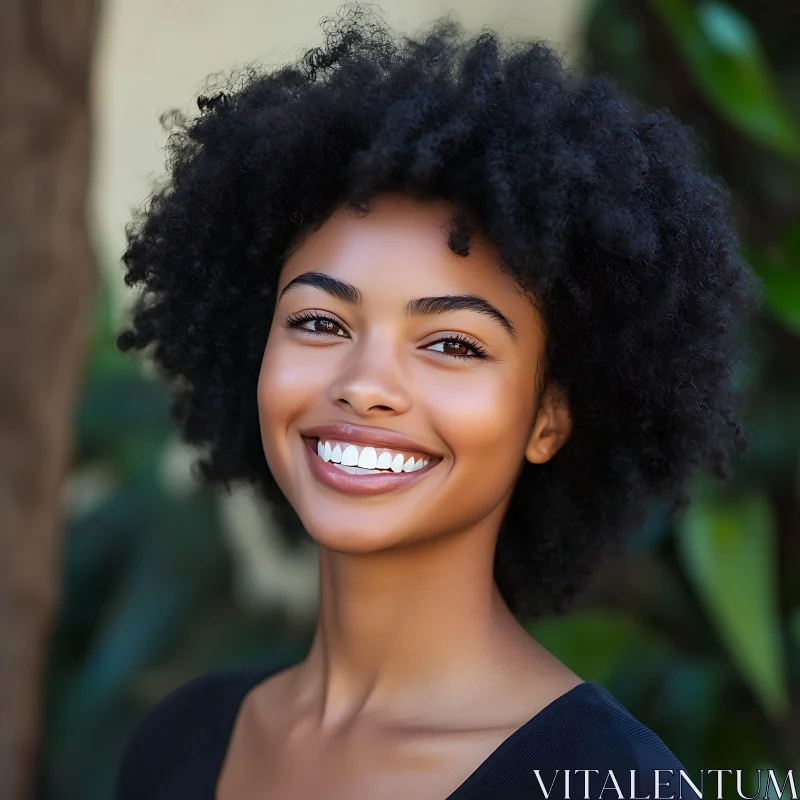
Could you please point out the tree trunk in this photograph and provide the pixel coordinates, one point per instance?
(46, 283)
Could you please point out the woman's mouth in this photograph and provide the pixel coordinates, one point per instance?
(360, 469)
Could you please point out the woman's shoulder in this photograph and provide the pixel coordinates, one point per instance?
(176, 749)
(588, 735)
(589, 721)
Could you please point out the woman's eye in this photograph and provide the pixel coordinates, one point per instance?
(458, 348)
(324, 325)
(317, 324)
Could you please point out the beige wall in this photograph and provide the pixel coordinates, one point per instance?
(155, 54)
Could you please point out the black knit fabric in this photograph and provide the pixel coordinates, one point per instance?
(585, 735)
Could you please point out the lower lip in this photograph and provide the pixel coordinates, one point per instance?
(361, 484)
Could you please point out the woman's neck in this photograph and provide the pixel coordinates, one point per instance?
(401, 629)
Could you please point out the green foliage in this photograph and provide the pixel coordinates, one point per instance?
(728, 551)
(727, 62)
(598, 642)
(779, 270)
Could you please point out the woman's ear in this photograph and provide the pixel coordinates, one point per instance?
(552, 427)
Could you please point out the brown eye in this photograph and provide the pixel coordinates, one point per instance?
(453, 348)
(316, 324)
(325, 325)
(458, 347)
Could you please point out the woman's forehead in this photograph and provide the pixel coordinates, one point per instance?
(400, 242)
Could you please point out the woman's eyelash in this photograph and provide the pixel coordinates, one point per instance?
(461, 339)
(297, 320)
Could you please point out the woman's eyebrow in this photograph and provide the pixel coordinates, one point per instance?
(345, 292)
(425, 306)
(421, 307)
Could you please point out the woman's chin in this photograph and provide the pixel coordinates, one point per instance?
(354, 538)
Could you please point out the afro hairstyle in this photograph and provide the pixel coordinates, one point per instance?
(600, 207)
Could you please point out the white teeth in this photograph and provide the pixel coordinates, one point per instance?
(351, 470)
(361, 470)
(350, 456)
(368, 458)
(360, 460)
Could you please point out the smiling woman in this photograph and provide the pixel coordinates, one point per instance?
(464, 315)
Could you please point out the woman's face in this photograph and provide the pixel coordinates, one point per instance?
(435, 399)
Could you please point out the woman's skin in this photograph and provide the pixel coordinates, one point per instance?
(418, 670)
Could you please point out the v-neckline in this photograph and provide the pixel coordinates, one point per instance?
(496, 755)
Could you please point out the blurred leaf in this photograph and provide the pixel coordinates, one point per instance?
(729, 553)
(93, 545)
(726, 61)
(122, 405)
(774, 443)
(781, 291)
(178, 559)
(593, 644)
(790, 243)
(779, 269)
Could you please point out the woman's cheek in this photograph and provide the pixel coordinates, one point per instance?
(487, 425)
(288, 375)
(282, 391)
(477, 414)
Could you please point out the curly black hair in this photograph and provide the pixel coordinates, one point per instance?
(598, 206)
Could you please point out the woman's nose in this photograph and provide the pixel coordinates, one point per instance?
(372, 381)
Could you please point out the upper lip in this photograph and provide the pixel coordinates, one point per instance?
(368, 435)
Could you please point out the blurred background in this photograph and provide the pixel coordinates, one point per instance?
(121, 578)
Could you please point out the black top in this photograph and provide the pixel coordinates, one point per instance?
(177, 752)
